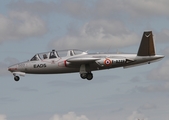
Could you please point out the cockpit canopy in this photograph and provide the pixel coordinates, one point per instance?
(56, 54)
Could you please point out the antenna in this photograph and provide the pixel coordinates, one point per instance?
(109, 48)
(117, 51)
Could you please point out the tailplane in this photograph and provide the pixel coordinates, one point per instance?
(147, 45)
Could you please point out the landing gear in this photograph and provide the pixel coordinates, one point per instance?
(85, 72)
(16, 78)
(88, 76)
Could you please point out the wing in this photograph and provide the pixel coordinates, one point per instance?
(82, 60)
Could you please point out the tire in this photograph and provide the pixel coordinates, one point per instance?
(16, 78)
(83, 75)
(89, 76)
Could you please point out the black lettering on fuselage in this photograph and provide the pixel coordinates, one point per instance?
(39, 65)
(120, 61)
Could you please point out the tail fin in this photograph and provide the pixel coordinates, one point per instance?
(147, 45)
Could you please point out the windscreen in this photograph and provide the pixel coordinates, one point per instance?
(43, 56)
(35, 58)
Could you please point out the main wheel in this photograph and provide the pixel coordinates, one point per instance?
(89, 76)
(83, 75)
(16, 78)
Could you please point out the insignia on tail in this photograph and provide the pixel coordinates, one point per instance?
(147, 45)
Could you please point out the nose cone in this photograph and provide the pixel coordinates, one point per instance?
(13, 68)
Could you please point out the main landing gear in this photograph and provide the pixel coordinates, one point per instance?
(88, 76)
(85, 72)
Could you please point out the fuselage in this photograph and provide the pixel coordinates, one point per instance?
(62, 65)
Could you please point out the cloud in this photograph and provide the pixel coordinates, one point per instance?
(26, 89)
(160, 73)
(7, 99)
(20, 25)
(137, 116)
(78, 9)
(148, 106)
(2, 117)
(102, 30)
(4, 69)
(133, 8)
(69, 116)
(135, 79)
(102, 9)
(37, 7)
(162, 36)
(155, 88)
(5, 64)
(148, 8)
(97, 34)
(165, 51)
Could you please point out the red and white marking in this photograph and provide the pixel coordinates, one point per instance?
(108, 62)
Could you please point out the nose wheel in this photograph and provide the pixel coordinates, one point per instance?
(88, 76)
(16, 78)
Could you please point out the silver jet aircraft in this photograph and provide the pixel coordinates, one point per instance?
(69, 61)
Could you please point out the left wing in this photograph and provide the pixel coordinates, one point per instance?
(82, 60)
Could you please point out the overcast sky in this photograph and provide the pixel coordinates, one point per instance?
(28, 27)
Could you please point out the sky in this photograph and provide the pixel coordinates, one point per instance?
(28, 27)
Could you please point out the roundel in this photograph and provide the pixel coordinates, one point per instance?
(107, 62)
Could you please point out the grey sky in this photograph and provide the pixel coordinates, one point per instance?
(33, 26)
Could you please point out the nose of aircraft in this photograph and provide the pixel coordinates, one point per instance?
(13, 68)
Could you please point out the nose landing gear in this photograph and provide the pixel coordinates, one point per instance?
(16, 78)
(17, 74)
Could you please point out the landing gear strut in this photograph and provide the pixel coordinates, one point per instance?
(16, 78)
(88, 76)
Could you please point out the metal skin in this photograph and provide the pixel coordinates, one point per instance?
(69, 61)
